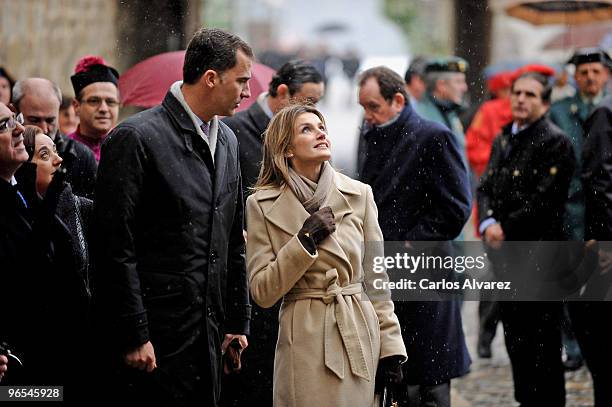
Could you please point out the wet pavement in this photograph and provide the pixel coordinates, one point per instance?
(490, 381)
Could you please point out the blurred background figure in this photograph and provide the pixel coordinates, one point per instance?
(6, 86)
(443, 99)
(415, 83)
(68, 120)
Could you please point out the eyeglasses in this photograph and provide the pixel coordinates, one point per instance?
(97, 102)
(10, 123)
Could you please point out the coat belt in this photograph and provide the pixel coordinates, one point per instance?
(337, 316)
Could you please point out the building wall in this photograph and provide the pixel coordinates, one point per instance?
(47, 37)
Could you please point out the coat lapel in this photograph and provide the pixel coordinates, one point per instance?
(288, 214)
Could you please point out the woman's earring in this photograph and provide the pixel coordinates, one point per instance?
(289, 155)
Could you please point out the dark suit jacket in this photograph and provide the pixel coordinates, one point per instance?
(249, 126)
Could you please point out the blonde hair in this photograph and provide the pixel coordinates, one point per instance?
(274, 170)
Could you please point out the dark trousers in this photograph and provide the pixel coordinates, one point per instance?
(181, 380)
(429, 396)
(591, 326)
(533, 340)
(488, 315)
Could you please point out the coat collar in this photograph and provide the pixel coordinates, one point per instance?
(288, 214)
(259, 118)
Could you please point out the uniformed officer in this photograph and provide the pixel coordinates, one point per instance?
(570, 114)
(442, 102)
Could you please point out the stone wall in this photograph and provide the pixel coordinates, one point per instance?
(46, 37)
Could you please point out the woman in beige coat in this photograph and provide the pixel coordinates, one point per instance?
(306, 227)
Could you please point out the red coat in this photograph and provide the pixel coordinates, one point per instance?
(487, 124)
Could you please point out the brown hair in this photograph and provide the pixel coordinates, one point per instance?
(277, 140)
(29, 139)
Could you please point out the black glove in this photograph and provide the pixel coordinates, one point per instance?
(389, 373)
(316, 228)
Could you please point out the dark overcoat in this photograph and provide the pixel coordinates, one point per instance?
(597, 173)
(525, 185)
(170, 243)
(249, 126)
(422, 191)
(255, 379)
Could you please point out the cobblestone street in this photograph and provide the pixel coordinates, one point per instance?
(490, 381)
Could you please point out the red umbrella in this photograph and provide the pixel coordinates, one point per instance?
(146, 83)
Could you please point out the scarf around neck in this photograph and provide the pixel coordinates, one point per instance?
(312, 194)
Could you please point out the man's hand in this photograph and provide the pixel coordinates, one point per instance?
(3, 365)
(229, 337)
(494, 235)
(143, 358)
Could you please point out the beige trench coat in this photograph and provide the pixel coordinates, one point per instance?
(330, 337)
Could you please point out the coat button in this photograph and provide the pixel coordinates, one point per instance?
(210, 312)
(213, 257)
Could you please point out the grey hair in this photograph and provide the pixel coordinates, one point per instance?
(432, 78)
(19, 92)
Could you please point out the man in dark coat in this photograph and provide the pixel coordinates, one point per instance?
(39, 100)
(522, 197)
(589, 317)
(171, 267)
(422, 191)
(295, 81)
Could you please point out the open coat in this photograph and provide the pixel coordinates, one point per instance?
(330, 338)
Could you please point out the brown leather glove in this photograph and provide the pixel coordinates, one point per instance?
(316, 228)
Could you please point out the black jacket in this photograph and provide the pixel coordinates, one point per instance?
(171, 266)
(597, 172)
(526, 182)
(80, 165)
(422, 192)
(249, 126)
(44, 301)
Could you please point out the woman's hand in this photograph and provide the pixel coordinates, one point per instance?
(319, 225)
(389, 373)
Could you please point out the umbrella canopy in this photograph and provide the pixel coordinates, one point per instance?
(541, 12)
(146, 83)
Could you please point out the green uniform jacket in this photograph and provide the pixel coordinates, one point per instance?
(570, 114)
(430, 109)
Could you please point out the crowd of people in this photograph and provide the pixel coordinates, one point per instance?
(189, 236)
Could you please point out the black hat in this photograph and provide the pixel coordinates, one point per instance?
(91, 74)
(450, 64)
(588, 55)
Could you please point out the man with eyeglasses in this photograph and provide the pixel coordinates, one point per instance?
(39, 100)
(14, 224)
(96, 101)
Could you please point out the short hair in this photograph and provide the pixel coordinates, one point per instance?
(274, 170)
(416, 68)
(212, 48)
(388, 81)
(543, 80)
(19, 91)
(66, 102)
(294, 74)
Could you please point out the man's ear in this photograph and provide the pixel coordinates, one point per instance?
(77, 106)
(398, 101)
(210, 78)
(282, 91)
